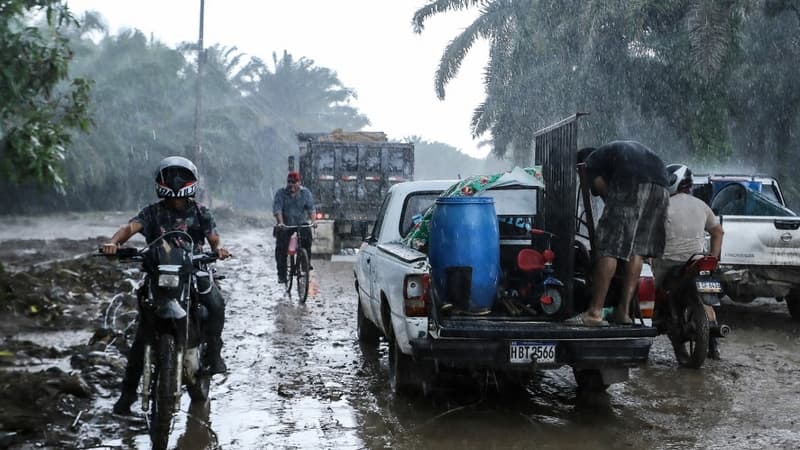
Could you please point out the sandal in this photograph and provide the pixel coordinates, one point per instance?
(624, 321)
(584, 321)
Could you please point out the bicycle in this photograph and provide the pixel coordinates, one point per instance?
(298, 264)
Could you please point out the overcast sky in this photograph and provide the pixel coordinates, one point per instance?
(369, 43)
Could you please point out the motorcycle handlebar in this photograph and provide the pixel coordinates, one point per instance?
(122, 253)
(136, 254)
(205, 258)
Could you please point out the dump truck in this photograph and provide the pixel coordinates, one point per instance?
(349, 172)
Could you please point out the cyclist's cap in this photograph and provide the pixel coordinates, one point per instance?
(294, 177)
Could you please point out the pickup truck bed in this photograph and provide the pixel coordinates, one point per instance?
(388, 276)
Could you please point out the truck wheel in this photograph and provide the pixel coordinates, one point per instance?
(793, 302)
(404, 377)
(368, 334)
(589, 380)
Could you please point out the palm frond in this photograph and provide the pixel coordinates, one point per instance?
(493, 18)
(710, 34)
(440, 6)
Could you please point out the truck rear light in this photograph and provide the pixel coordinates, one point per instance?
(416, 297)
(647, 296)
(706, 265)
(319, 216)
(349, 177)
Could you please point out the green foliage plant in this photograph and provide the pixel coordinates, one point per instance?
(37, 112)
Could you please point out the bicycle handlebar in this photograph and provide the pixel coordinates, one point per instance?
(295, 227)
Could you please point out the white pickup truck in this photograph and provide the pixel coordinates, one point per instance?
(395, 301)
(761, 247)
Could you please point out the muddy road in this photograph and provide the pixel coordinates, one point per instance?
(298, 379)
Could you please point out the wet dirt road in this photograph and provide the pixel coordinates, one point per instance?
(297, 379)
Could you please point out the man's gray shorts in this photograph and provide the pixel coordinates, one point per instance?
(633, 222)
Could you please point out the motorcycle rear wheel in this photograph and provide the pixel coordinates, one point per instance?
(163, 391)
(690, 341)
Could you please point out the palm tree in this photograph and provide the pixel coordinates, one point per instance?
(497, 22)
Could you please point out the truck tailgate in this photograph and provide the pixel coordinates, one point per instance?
(773, 241)
(476, 343)
(516, 329)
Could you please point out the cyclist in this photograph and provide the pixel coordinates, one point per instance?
(293, 205)
(176, 183)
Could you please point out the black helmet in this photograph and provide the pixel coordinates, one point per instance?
(176, 177)
(680, 177)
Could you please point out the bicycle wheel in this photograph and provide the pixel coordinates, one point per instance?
(303, 274)
(291, 269)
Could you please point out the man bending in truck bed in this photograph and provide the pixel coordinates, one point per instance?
(632, 180)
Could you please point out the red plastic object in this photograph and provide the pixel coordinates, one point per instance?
(529, 260)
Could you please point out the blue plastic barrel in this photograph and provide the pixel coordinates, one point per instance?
(464, 252)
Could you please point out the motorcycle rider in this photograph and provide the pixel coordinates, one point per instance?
(292, 205)
(176, 183)
(688, 219)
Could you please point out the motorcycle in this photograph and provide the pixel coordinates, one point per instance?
(682, 306)
(169, 306)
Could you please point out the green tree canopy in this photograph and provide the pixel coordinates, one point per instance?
(37, 112)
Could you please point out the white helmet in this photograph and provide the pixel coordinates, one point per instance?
(680, 177)
(176, 177)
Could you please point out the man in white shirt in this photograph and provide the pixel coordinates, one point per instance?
(688, 221)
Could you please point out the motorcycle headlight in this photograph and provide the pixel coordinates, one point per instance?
(168, 280)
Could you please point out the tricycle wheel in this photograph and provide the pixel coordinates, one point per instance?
(690, 341)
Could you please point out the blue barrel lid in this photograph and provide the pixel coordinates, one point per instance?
(464, 200)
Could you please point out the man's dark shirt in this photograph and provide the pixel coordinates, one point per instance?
(196, 220)
(625, 164)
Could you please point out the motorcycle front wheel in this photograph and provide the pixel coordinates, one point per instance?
(163, 391)
(690, 339)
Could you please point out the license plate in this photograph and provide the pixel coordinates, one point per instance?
(526, 352)
(708, 286)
